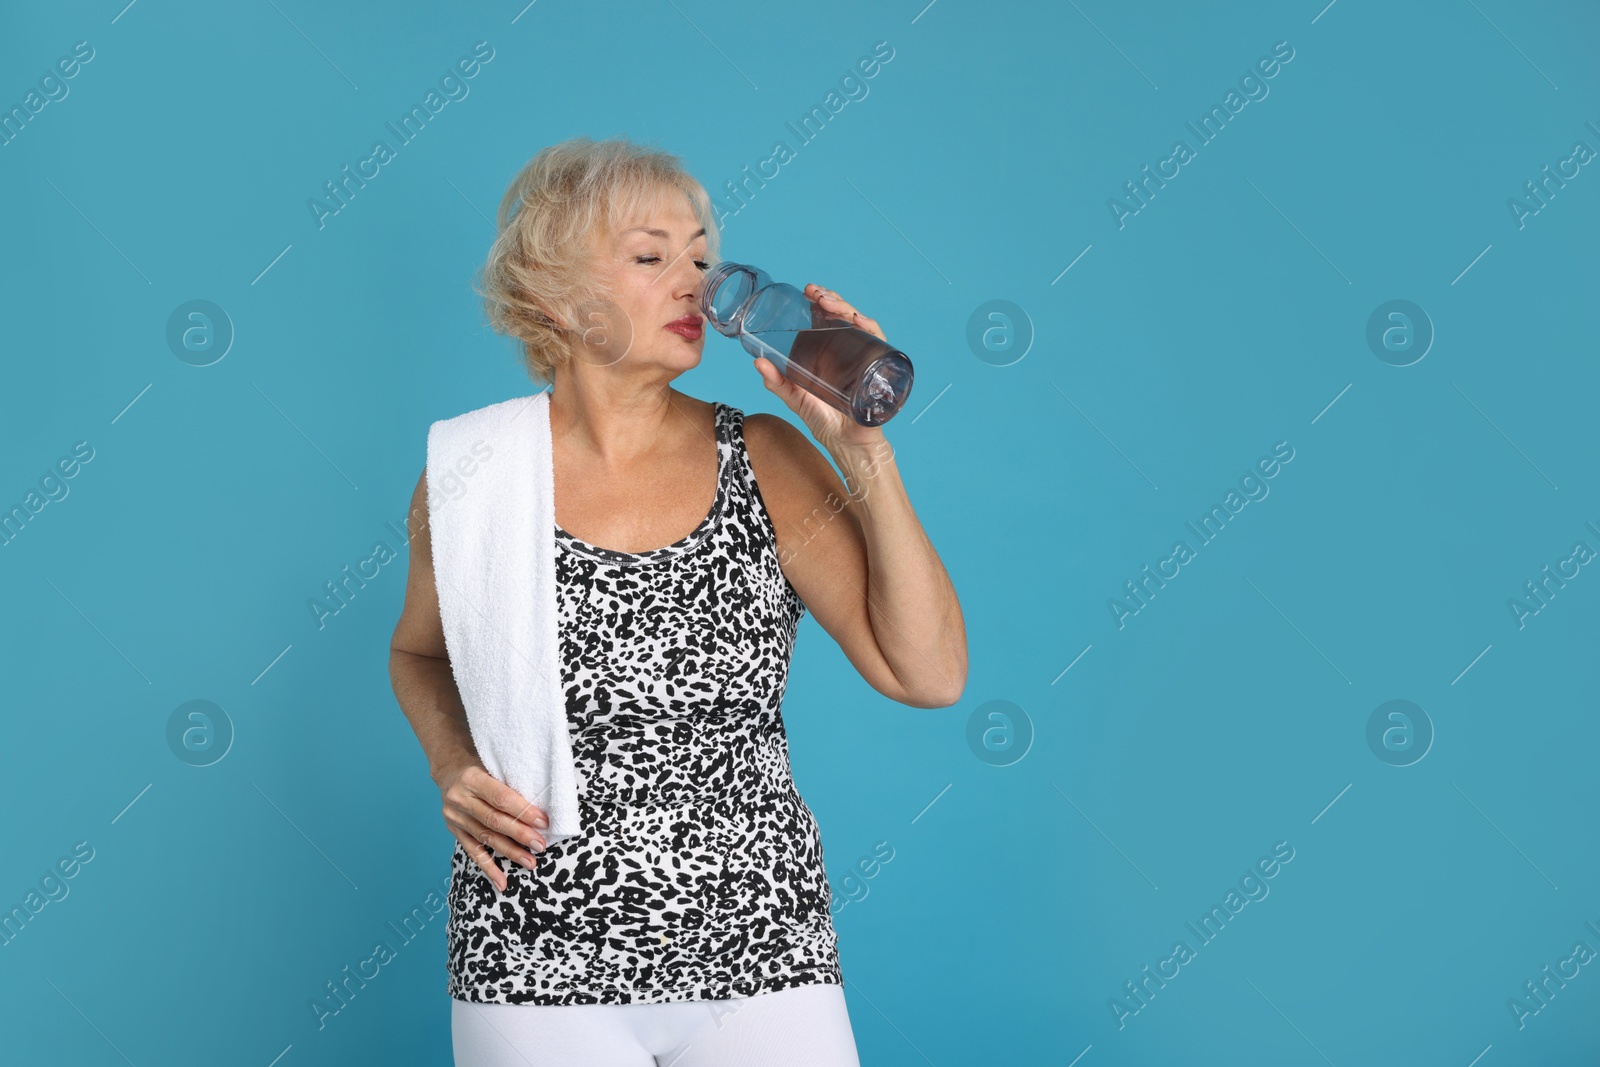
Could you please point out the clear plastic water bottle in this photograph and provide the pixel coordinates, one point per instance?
(849, 368)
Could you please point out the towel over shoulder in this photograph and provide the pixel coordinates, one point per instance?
(491, 514)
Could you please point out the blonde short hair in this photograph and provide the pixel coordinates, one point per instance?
(538, 274)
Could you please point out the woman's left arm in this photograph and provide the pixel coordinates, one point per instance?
(855, 550)
(911, 601)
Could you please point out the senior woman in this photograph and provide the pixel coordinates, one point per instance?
(662, 500)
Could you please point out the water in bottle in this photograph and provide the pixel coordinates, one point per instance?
(855, 371)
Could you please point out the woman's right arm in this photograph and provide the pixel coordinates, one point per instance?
(475, 802)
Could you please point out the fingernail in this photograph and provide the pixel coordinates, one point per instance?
(541, 822)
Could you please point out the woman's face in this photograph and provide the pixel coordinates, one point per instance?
(654, 266)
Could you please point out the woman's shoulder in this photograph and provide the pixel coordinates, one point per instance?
(784, 461)
(770, 433)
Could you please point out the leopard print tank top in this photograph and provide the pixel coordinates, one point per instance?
(699, 873)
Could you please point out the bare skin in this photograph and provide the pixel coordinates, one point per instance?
(635, 468)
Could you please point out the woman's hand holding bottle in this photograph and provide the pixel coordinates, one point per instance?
(828, 424)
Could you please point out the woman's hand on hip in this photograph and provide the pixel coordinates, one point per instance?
(484, 813)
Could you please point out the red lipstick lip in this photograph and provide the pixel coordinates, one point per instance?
(688, 327)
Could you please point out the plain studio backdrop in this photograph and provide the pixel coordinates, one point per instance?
(1338, 346)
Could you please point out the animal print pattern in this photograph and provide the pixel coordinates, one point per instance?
(699, 874)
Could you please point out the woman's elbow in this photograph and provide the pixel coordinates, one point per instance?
(942, 690)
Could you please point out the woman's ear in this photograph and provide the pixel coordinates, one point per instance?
(542, 314)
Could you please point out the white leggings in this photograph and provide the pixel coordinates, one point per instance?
(803, 1026)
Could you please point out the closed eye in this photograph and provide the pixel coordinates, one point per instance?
(702, 264)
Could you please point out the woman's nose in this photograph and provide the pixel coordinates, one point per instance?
(686, 277)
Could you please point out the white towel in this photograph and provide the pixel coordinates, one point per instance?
(491, 512)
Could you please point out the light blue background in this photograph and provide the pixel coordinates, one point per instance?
(1227, 315)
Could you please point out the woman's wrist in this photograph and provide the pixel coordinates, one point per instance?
(449, 769)
(863, 465)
